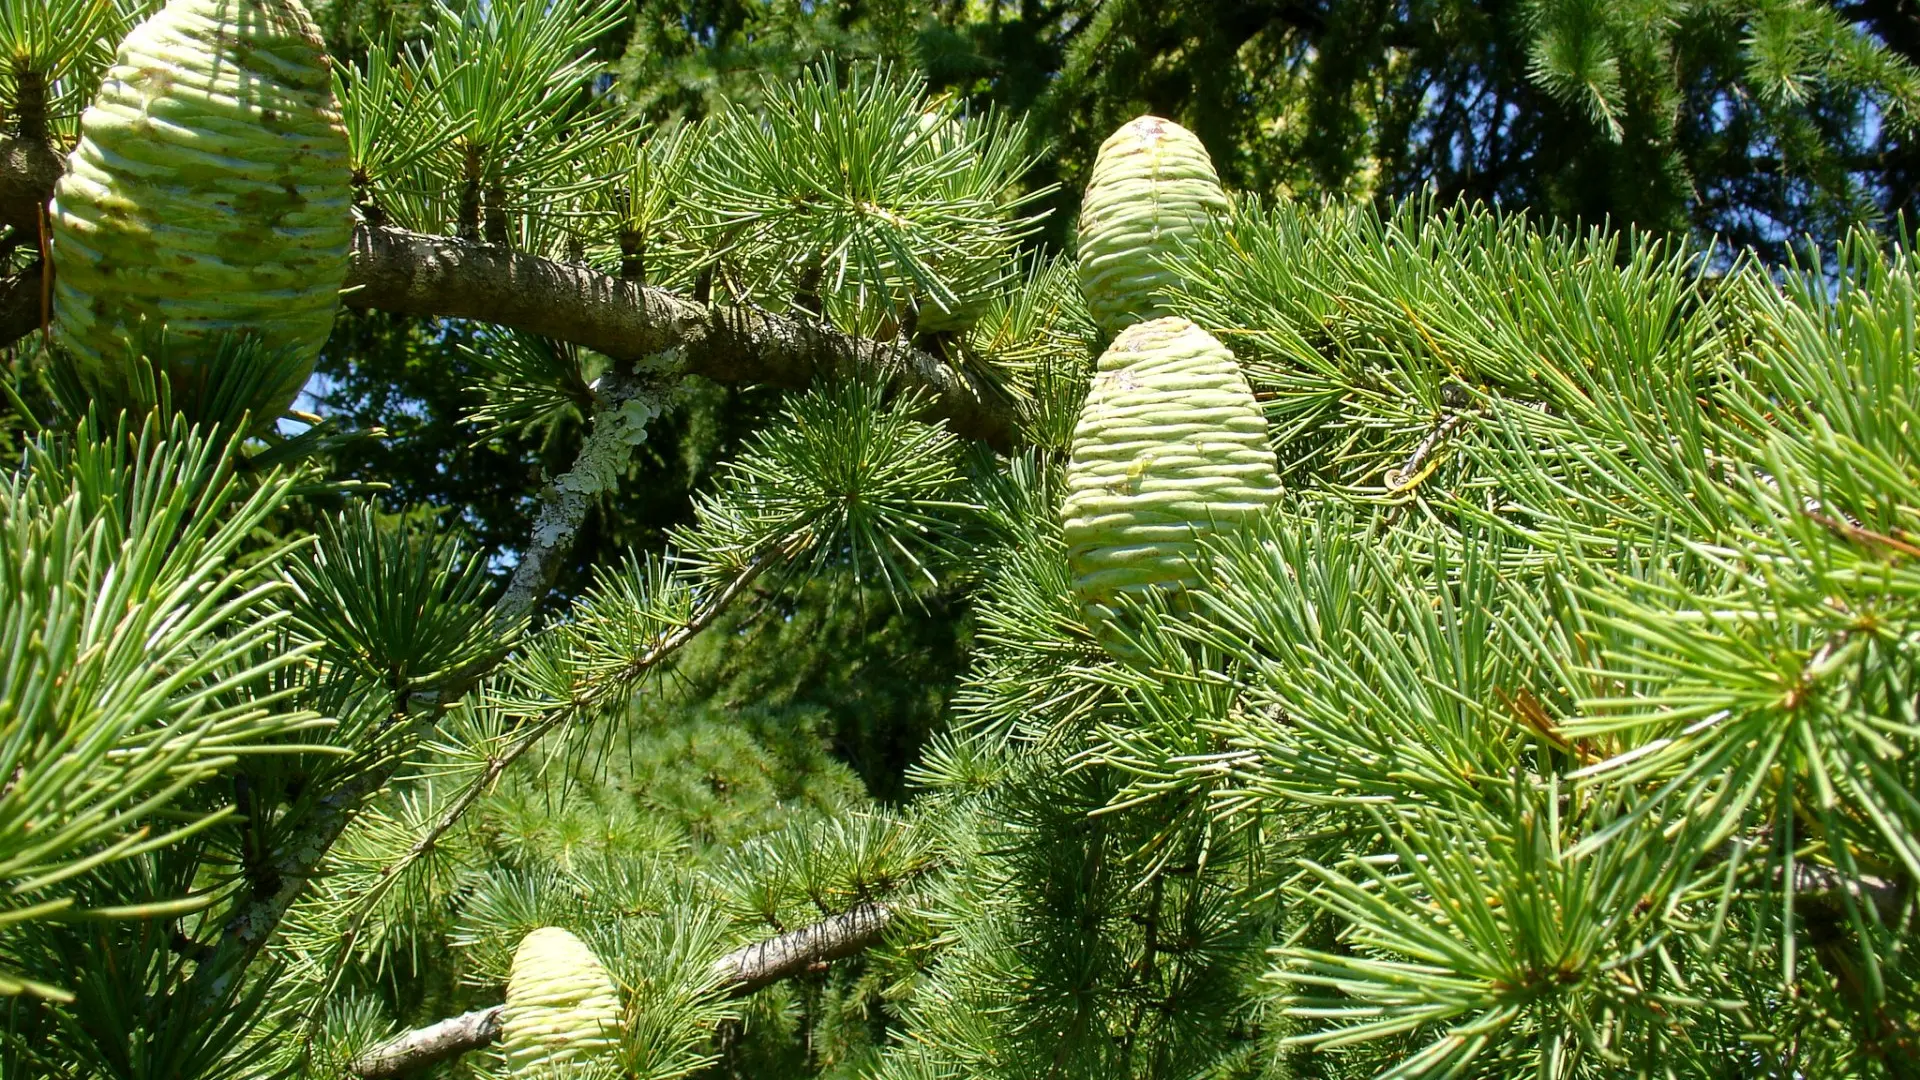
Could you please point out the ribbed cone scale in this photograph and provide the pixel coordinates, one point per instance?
(1170, 447)
(562, 1010)
(209, 192)
(1153, 186)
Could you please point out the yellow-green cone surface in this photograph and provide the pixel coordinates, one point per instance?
(1153, 185)
(1171, 446)
(562, 1009)
(209, 192)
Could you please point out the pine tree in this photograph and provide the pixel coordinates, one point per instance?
(1754, 122)
(1541, 706)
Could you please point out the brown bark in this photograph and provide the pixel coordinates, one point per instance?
(764, 963)
(29, 165)
(415, 274)
(28, 169)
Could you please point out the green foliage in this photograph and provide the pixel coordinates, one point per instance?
(663, 844)
(865, 675)
(1588, 723)
(140, 659)
(1759, 121)
(1557, 721)
(849, 196)
(685, 60)
(55, 52)
(130, 1026)
(411, 606)
(848, 479)
(500, 96)
(1038, 331)
(642, 201)
(601, 858)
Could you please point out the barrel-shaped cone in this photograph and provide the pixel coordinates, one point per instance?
(1153, 188)
(563, 1011)
(1170, 447)
(208, 194)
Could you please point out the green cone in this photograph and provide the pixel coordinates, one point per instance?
(1153, 184)
(1170, 447)
(208, 193)
(563, 1011)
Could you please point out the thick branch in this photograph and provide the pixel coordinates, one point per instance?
(764, 963)
(414, 274)
(429, 1045)
(737, 974)
(29, 163)
(407, 273)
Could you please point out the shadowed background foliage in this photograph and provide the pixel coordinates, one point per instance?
(1752, 122)
(1756, 122)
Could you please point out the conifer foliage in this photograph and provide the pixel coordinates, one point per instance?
(1505, 663)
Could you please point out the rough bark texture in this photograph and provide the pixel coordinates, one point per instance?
(429, 1045)
(29, 164)
(624, 403)
(1827, 886)
(413, 274)
(28, 169)
(738, 973)
(766, 962)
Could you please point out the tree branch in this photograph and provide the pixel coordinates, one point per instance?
(1819, 885)
(415, 274)
(624, 403)
(736, 974)
(258, 914)
(1828, 886)
(1408, 476)
(30, 163)
(764, 963)
(592, 695)
(430, 1045)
